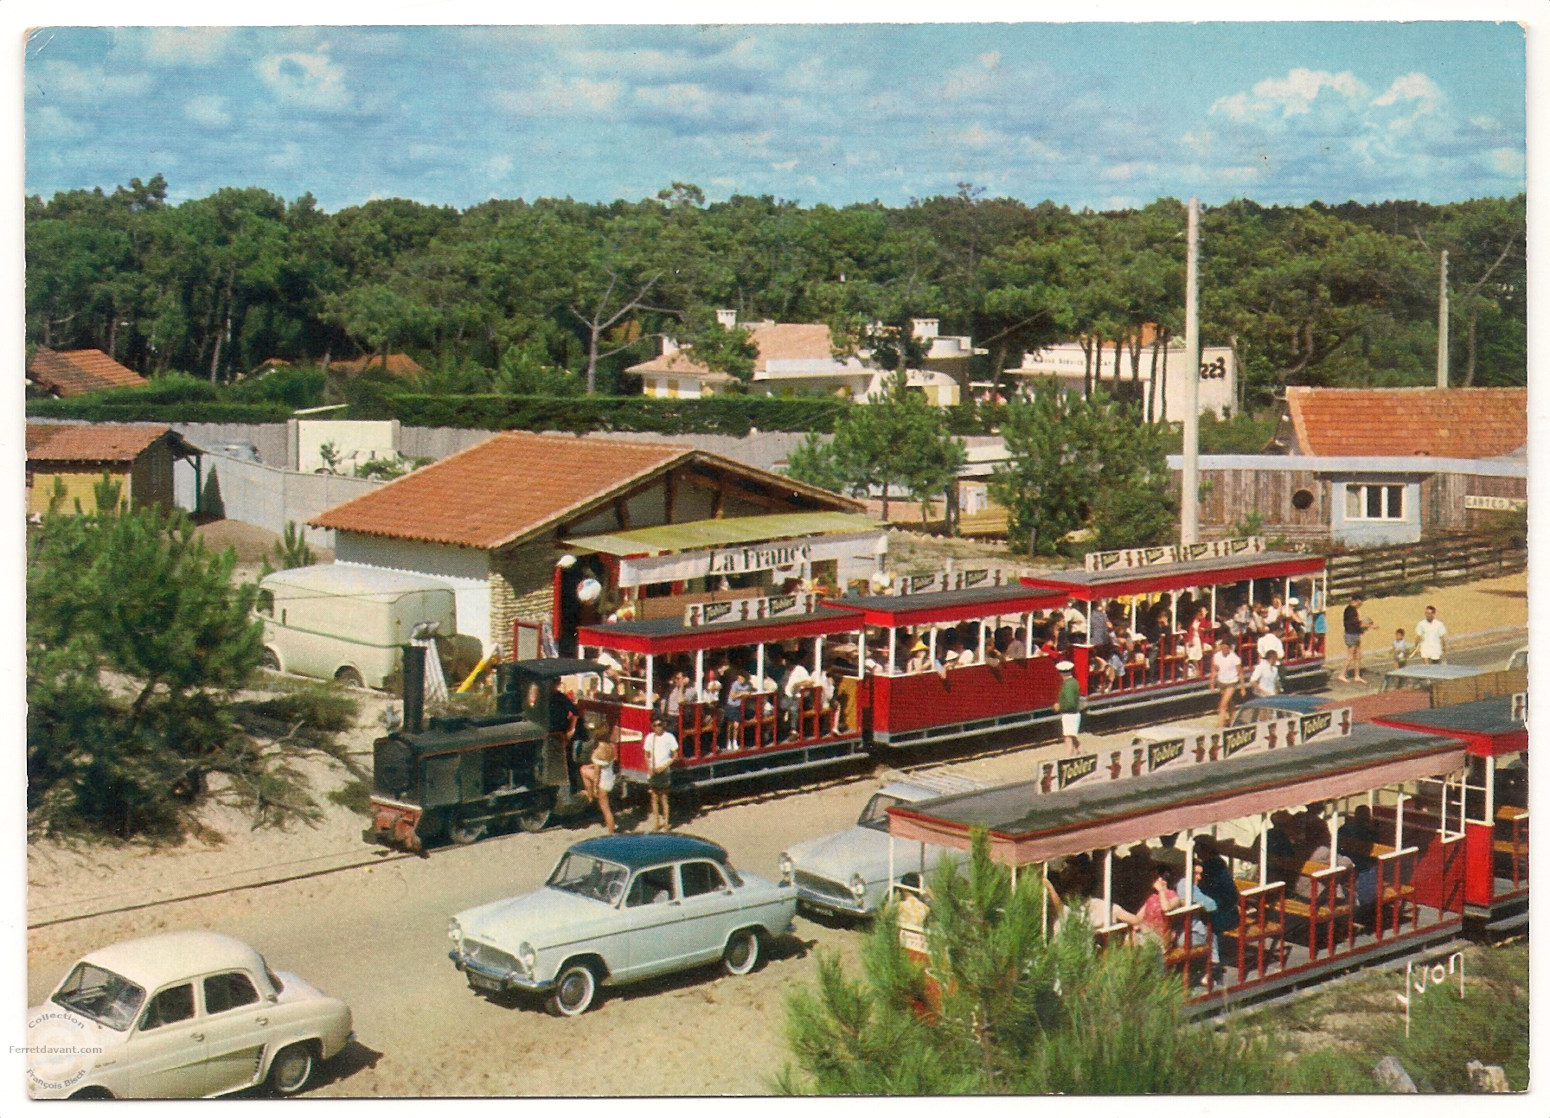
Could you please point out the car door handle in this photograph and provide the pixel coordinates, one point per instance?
(197, 1037)
(262, 1021)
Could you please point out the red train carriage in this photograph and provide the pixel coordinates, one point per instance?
(1148, 595)
(961, 683)
(1494, 807)
(724, 739)
(1368, 890)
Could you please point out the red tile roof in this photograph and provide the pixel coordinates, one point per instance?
(91, 442)
(1397, 422)
(78, 371)
(394, 364)
(517, 483)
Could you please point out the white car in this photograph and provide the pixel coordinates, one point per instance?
(179, 1015)
(615, 910)
(846, 873)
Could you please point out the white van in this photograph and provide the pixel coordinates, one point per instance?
(347, 623)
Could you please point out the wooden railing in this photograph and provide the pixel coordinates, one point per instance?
(1376, 571)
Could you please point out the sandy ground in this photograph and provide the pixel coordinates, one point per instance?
(374, 933)
(1465, 609)
(252, 544)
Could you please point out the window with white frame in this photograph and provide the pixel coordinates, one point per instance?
(1374, 502)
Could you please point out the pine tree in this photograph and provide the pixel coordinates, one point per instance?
(137, 646)
(1004, 1007)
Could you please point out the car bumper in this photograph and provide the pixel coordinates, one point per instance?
(831, 905)
(494, 980)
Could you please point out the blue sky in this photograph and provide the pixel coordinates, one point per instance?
(1098, 115)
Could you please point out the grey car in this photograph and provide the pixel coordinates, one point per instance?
(618, 909)
(846, 873)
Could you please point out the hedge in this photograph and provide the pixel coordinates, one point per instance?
(129, 407)
(715, 415)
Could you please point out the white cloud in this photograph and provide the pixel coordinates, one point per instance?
(1415, 90)
(497, 166)
(308, 79)
(67, 80)
(1292, 95)
(52, 122)
(289, 156)
(1507, 161)
(190, 46)
(562, 96)
(973, 78)
(208, 110)
(679, 98)
(1411, 87)
(788, 165)
(1123, 172)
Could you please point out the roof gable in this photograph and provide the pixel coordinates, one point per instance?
(517, 483)
(1404, 422)
(91, 442)
(78, 371)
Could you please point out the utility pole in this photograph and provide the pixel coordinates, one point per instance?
(1442, 324)
(1189, 496)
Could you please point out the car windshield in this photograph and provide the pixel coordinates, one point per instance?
(589, 877)
(875, 814)
(105, 997)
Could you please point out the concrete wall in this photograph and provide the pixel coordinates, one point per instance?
(268, 438)
(266, 496)
(762, 449)
(354, 440)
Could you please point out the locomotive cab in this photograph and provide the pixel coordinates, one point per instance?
(460, 778)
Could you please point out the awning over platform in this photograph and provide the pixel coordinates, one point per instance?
(665, 635)
(738, 545)
(697, 535)
(1167, 577)
(934, 607)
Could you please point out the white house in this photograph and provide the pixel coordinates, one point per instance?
(1130, 373)
(798, 359)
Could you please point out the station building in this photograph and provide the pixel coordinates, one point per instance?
(520, 524)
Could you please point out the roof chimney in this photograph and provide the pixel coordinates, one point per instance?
(726, 318)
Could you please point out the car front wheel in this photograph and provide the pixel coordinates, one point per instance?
(742, 953)
(574, 992)
(291, 1070)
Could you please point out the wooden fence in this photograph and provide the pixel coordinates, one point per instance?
(1379, 571)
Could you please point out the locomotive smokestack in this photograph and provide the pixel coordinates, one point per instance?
(414, 688)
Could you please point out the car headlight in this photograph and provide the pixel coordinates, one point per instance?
(857, 887)
(455, 934)
(786, 868)
(527, 958)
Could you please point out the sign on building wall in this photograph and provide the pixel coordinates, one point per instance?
(1495, 504)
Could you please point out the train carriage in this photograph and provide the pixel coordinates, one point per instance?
(1399, 886)
(954, 696)
(1165, 674)
(719, 745)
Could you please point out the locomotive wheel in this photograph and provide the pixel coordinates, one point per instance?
(464, 833)
(533, 821)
